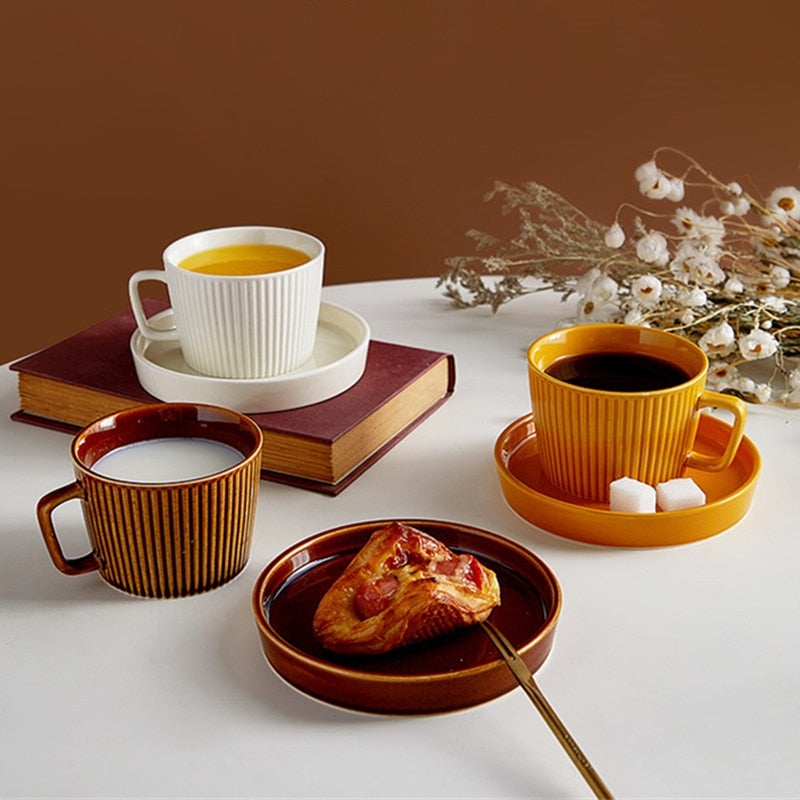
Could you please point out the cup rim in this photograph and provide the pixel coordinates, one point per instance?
(170, 260)
(176, 412)
(683, 344)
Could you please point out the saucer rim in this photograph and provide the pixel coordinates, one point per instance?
(584, 522)
(300, 387)
(451, 686)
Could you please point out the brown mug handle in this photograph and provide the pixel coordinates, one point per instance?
(737, 407)
(44, 513)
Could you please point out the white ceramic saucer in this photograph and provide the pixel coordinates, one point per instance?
(338, 361)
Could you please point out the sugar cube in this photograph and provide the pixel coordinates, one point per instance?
(678, 494)
(632, 496)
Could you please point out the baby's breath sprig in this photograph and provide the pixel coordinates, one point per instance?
(725, 273)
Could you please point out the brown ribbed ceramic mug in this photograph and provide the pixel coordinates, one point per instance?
(169, 494)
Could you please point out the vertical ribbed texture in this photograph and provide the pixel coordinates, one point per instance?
(586, 440)
(247, 327)
(172, 541)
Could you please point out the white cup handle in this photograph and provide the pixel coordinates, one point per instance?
(145, 328)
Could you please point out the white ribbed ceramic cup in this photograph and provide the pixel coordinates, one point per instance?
(239, 326)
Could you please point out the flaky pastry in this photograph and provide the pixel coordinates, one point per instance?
(402, 587)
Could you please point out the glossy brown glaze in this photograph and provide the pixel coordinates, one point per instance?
(162, 539)
(176, 420)
(456, 671)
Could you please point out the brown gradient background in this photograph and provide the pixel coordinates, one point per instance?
(375, 124)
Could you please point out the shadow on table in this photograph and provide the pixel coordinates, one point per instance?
(27, 575)
(258, 691)
(265, 693)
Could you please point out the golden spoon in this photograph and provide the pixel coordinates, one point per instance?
(525, 679)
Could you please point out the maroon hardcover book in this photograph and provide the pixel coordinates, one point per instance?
(98, 359)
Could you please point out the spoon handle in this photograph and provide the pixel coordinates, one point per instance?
(525, 679)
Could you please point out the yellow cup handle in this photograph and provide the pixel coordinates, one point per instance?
(727, 402)
(44, 514)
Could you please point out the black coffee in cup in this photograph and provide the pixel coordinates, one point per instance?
(618, 372)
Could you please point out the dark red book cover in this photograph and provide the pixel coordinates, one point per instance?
(99, 358)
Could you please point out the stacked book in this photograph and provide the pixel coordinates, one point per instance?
(322, 447)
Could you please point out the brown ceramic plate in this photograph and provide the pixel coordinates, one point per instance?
(446, 674)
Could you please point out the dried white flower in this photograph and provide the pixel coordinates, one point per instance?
(646, 289)
(636, 317)
(694, 263)
(692, 297)
(713, 230)
(696, 226)
(615, 236)
(681, 264)
(719, 341)
(773, 303)
(584, 284)
(605, 289)
(598, 311)
(594, 285)
(741, 207)
(686, 220)
(779, 277)
(706, 271)
(738, 207)
(669, 292)
(730, 281)
(653, 182)
(733, 286)
(721, 376)
(652, 249)
(784, 202)
(677, 190)
(598, 295)
(658, 189)
(767, 242)
(757, 344)
(647, 172)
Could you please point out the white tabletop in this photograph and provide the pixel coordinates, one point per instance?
(675, 669)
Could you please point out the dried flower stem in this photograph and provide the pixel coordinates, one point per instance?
(730, 281)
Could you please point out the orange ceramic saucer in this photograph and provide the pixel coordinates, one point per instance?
(728, 494)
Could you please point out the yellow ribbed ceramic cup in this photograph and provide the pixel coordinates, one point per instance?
(155, 531)
(634, 416)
